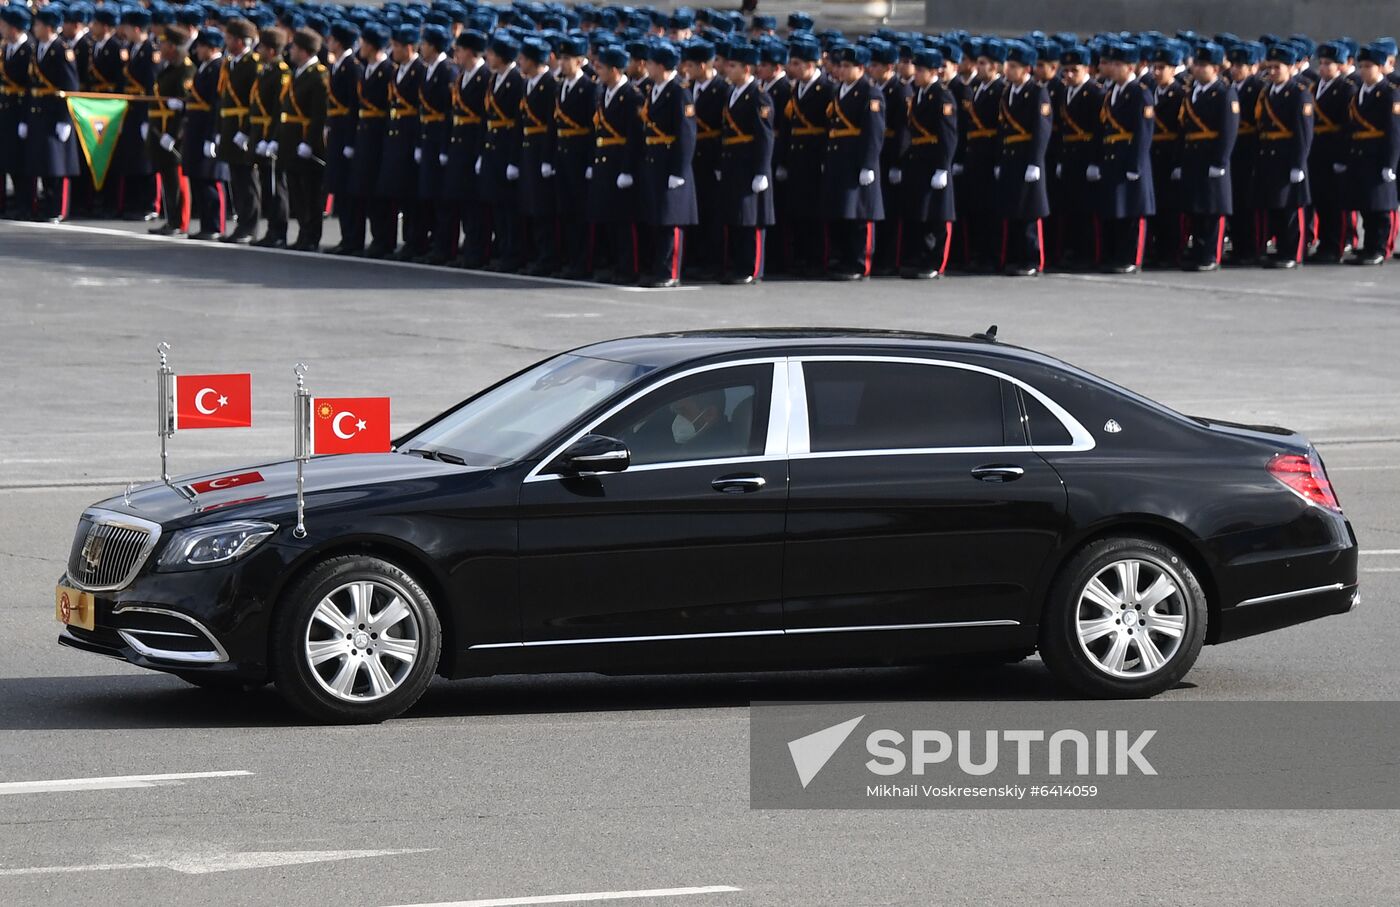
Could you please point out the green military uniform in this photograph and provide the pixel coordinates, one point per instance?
(172, 81)
(303, 123)
(274, 75)
(237, 79)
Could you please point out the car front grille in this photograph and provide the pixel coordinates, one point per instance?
(109, 549)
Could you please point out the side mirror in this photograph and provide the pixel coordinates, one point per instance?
(593, 453)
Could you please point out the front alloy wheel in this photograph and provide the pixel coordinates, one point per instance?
(362, 640)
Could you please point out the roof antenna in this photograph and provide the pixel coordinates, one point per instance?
(990, 334)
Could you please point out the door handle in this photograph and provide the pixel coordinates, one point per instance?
(738, 484)
(998, 472)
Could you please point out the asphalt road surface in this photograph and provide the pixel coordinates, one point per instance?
(563, 785)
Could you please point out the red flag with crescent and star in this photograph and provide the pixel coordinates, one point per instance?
(213, 401)
(345, 425)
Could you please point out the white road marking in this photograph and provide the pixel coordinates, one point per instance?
(147, 237)
(202, 864)
(583, 897)
(1366, 551)
(1380, 569)
(113, 783)
(1363, 468)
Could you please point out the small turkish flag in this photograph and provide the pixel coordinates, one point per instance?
(222, 482)
(213, 401)
(343, 425)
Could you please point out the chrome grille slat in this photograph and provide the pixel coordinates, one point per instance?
(119, 544)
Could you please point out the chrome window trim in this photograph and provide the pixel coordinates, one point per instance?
(799, 631)
(112, 518)
(1296, 593)
(215, 656)
(777, 415)
(799, 445)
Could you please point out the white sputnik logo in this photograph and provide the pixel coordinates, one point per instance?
(811, 753)
(343, 435)
(209, 410)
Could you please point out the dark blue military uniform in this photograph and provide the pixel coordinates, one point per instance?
(1247, 238)
(303, 119)
(1371, 167)
(1074, 199)
(705, 251)
(237, 79)
(927, 212)
(14, 111)
(342, 116)
(131, 164)
(1210, 118)
(977, 186)
(573, 155)
(746, 153)
(500, 151)
(779, 91)
(668, 150)
(106, 73)
(51, 149)
(1023, 126)
(398, 175)
(897, 97)
(434, 139)
(801, 152)
(612, 210)
(1285, 133)
(537, 193)
(1336, 222)
(1165, 232)
(855, 134)
(371, 133)
(464, 147)
(1125, 165)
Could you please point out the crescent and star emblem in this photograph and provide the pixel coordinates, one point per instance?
(342, 435)
(199, 401)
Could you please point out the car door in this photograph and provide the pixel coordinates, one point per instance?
(687, 541)
(914, 501)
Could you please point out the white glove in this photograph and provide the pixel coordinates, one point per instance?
(145, 131)
(1216, 172)
(996, 172)
(272, 148)
(1336, 168)
(260, 149)
(957, 169)
(1059, 171)
(674, 182)
(624, 181)
(718, 176)
(940, 179)
(896, 176)
(442, 159)
(1388, 175)
(210, 149)
(1295, 175)
(303, 151)
(477, 168)
(348, 151)
(175, 103)
(240, 141)
(546, 170)
(63, 131)
(1176, 174)
(1032, 173)
(781, 173)
(867, 177)
(166, 142)
(759, 184)
(23, 130)
(512, 172)
(588, 173)
(1133, 177)
(1091, 173)
(417, 155)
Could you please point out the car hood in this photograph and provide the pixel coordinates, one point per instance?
(269, 487)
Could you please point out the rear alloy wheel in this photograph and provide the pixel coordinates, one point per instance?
(1126, 618)
(357, 641)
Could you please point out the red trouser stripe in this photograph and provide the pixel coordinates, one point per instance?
(869, 245)
(1301, 236)
(63, 200)
(1219, 239)
(947, 244)
(223, 211)
(184, 201)
(675, 253)
(1040, 241)
(160, 195)
(757, 252)
(1141, 240)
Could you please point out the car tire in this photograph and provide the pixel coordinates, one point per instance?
(1106, 644)
(220, 683)
(329, 658)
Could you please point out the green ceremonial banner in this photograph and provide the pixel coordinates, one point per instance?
(98, 123)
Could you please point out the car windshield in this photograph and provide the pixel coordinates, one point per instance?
(517, 417)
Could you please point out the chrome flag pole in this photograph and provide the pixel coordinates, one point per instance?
(165, 408)
(301, 444)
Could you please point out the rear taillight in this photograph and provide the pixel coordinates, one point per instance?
(1305, 477)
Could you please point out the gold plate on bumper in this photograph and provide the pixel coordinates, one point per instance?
(75, 608)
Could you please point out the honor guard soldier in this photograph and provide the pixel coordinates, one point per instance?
(460, 203)
(51, 149)
(772, 78)
(1023, 127)
(1375, 154)
(666, 182)
(1075, 201)
(434, 138)
(1165, 232)
(371, 131)
(1327, 161)
(958, 72)
(75, 34)
(206, 172)
(710, 92)
(896, 94)
(573, 154)
(1247, 222)
(236, 80)
(977, 187)
(131, 164)
(398, 173)
(799, 156)
(1210, 118)
(264, 119)
(537, 196)
(1124, 170)
(498, 167)
(1047, 75)
(173, 83)
(611, 197)
(1284, 120)
(851, 197)
(926, 188)
(106, 73)
(745, 167)
(14, 110)
(301, 137)
(342, 116)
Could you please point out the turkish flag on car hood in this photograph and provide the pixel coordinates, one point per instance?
(343, 425)
(221, 483)
(213, 401)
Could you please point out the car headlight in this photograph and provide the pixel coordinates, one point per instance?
(220, 543)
